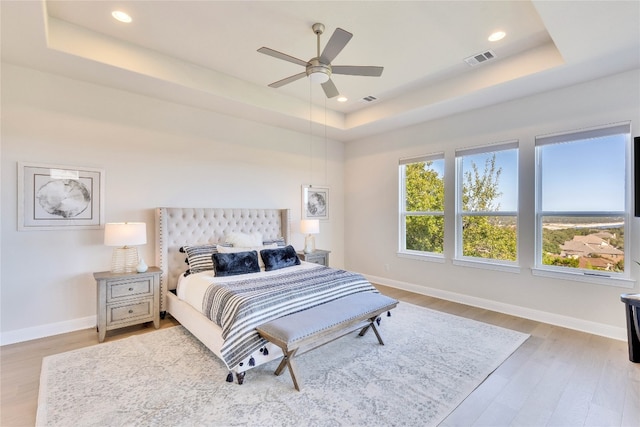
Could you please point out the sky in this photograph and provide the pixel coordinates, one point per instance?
(587, 175)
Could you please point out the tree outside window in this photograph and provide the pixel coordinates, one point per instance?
(486, 214)
(422, 205)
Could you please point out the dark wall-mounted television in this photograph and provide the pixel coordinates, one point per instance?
(636, 173)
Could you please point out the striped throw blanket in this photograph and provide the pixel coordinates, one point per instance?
(241, 305)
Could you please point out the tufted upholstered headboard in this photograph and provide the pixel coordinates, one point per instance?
(176, 227)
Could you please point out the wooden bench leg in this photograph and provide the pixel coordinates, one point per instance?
(377, 333)
(372, 325)
(292, 370)
(364, 330)
(287, 361)
(282, 365)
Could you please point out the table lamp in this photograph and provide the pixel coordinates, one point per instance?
(309, 227)
(124, 235)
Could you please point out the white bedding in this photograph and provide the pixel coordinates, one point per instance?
(240, 303)
(191, 289)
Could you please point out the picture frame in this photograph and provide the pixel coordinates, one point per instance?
(55, 197)
(315, 202)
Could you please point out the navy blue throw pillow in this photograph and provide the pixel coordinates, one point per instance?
(275, 259)
(235, 263)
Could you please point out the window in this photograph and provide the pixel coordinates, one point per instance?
(487, 204)
(581, 201)
(422, 205)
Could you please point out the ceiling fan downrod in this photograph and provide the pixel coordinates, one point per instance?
(316, 70)
(318, 29)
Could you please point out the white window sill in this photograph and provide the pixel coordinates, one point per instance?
(597, 278)
(422, 256)
(487, 265)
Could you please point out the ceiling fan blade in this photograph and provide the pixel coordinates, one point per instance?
(330, 89)
(288, 80)
(337, 42)
(280, 55)
(357, 70)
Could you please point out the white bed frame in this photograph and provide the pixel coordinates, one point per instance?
(176, 227)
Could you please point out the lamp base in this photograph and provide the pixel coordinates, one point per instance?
(124, 260)
(309, 244)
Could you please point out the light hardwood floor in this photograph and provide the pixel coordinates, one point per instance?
(558, 377)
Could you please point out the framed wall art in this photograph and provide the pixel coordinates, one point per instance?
(53, 197)
(315, 202)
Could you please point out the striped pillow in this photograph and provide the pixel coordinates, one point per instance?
(199, 257)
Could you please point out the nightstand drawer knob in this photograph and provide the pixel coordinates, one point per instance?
(130, 311)
(130, 289)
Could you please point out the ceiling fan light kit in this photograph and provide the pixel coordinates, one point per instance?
(318, 72)
(319, 68)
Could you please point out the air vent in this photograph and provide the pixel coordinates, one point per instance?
(480, 58)
(369, 98)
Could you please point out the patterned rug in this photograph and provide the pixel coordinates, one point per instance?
(430, 363)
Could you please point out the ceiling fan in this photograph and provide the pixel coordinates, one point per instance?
(319, 69)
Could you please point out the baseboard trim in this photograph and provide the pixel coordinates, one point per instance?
(581, 325)
(42, 331)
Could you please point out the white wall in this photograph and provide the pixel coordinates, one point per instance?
(154, 153)
(371, 205)
(157, 153)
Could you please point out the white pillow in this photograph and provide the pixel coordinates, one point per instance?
(235, 249)
(244, 240)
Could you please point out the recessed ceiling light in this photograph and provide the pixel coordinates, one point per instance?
(498, 35)
(342, 99)
(121, 16)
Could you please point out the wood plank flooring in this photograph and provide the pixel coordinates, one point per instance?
(558, 377)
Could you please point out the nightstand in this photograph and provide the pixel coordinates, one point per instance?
(317, 257)
(126, 299)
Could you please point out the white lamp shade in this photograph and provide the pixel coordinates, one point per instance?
(310, 226)
(125, 233)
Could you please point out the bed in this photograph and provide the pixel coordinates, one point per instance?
(238, 344)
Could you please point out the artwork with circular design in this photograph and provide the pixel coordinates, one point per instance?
(315, 202)
(59, 197)
(64, 197)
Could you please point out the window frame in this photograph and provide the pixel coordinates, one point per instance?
(403, 213)
(488, 263)
(581, 274)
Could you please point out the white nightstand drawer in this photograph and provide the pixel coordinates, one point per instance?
(127, 289)
(128, 312)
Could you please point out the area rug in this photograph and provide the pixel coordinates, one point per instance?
(430, 363)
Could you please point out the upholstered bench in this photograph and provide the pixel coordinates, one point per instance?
(306, 330)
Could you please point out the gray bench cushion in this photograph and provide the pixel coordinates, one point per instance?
(304, 323)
